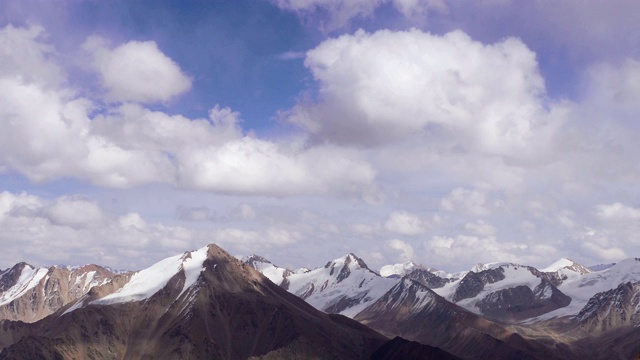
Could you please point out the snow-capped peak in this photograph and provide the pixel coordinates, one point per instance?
(490, 266)
(149, 281)
(350, 260)
(21, 278)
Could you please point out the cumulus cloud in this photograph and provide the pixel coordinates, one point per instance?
(137, 71)
(130, 145)
(74, 211)
(26, 58)
(381, 87)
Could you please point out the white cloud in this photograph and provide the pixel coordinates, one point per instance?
(25, 57)
(605, 253)
(480, 228)
(616, 84)
(386, 86)
(74, 211)
(340, 12)
(252, 241)
(414, 8)
(404, 248)
(405, 223)
(442, 251)
(137, 71)
(73, 229)
(465, 201)
(129, 145)
(618, 211)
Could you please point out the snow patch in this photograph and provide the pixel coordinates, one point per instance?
(558, 265)
(147, 282)
(29, 278)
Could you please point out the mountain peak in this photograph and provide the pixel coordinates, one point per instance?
(568, 264)
(147, 282)
(350, 260)
(253, 259)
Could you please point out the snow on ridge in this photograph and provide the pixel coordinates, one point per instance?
(149, 281)
(29, 278)
(193, 266)
(582, 288)
(558, 265)
(325, 286)
(491, 266)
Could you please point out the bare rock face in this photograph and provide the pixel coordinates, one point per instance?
(612, 309)
(227, 311)
(428, 279)
(415, 312)
(472, 283)
(521, 302)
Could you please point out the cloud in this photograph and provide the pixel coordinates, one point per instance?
(404, 223)
(128, 145)
(480, 228)
(617, 211)
(388, 86)
(340, 12)
(73, 228)
(466, 249)
(137, 71)
(615, 84)
(465, 201)
(74, 211)
(404, 248)
(25, 57)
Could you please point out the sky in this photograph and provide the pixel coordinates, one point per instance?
(448, 133)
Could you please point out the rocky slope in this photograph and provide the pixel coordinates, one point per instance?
(415, 312)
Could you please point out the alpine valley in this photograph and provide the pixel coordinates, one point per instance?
(206, 304)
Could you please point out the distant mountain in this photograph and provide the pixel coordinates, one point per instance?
(202, 304)
(415, 312)
(543, 312)
(343, 286)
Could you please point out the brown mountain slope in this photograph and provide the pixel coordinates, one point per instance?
(30, 294)
(414, 312)
(230, 312)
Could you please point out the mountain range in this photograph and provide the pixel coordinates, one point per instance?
(206, 304)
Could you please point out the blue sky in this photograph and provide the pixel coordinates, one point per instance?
(443, 132)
